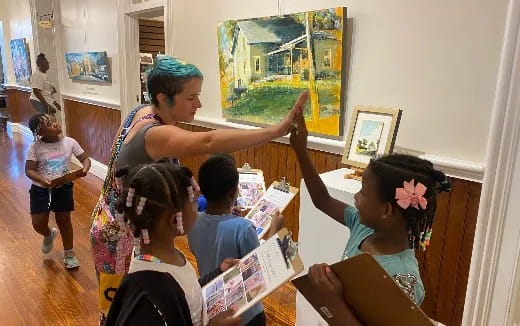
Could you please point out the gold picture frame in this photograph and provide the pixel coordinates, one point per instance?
(372, 133)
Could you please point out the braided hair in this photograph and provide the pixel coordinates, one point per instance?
(36, 123)
(165, 187)
(391, 171)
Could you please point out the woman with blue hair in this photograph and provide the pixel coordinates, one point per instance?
(150, 133)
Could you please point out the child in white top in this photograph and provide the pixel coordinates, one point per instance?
(157, 202)
(48, 158)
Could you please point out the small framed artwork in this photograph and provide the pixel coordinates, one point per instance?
(146, 58)
(372, 133)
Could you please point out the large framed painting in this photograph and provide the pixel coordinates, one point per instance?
(88, 66)
(21, 61)
(265, 63)
(372, 133)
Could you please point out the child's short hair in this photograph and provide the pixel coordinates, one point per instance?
(391, 171)
(36, 123)
(165, 187)
(40, 58)
(217, 176)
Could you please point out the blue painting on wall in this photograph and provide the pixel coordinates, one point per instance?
(21, 61)
(88, 66)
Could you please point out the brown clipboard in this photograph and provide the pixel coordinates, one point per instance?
(279, 186)
(71, 176)
(296, 263)
(293, 261)
(370, 292)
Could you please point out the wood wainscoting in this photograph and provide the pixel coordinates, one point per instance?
(94, 127)
(19, 106)
(444, 267)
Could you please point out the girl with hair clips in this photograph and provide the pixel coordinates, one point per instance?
(393, 215)
(150, 133)
(42, 96)
(48, 158)
(158, 203)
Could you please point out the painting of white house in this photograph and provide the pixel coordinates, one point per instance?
(265, 63)
(88, 66)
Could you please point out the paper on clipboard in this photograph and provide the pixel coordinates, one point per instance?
(68, 177)
(368, 290)
(256, 275)
(277, 197)
(251, 186)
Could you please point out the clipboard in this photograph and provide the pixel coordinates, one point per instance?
(68, 177)
(258, 274)
(277, 197)
(371, 293)
(251, 187)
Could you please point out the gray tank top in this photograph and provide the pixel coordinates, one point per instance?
(134, 152)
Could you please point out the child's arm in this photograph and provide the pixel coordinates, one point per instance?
(327, 284)
(85, 161)
(319, 193)
(30, 172)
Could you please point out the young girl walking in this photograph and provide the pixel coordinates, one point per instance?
(48, 158)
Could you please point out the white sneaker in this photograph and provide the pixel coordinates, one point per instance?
(70, 261)
(48, 241)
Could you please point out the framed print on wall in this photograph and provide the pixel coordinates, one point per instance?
(372, 133)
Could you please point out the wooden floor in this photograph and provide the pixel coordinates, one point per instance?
(36, 289)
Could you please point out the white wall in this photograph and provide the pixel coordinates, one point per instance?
(89, 26)
(16, 21)
(438, 61)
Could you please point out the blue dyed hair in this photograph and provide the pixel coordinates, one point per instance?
(167, 76)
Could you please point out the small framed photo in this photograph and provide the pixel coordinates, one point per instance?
(146, 58)
(372, 133)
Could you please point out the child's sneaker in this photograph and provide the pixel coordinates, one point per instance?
(70, 260)
(48, 241)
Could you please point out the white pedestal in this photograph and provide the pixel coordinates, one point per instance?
(322, 239)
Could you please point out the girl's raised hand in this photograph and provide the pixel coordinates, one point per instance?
(288, 123)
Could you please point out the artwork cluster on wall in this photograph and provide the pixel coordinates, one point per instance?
(21, 61)
(88, 66)
(266, 62)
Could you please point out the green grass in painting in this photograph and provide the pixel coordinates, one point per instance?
(270, 103)
(267, 104)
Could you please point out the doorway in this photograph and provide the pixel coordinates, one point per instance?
(151, 45)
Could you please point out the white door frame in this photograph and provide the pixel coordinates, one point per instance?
(493, 264)
(128, 30)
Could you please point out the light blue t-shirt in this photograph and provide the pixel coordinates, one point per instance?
(402, 266)
(216, 237)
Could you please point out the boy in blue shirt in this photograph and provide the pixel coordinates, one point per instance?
(218, 234)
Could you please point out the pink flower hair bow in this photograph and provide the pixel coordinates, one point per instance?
(411, 196)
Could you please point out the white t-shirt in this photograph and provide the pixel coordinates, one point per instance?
(53, 159)
(187, 279)
(40, 80)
